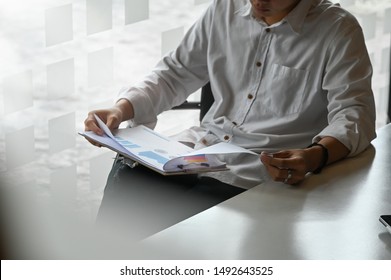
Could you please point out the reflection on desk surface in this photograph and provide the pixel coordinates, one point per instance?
(333, 215)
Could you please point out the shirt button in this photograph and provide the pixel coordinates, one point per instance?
(267, 30)
(203, 141)
(250, 96)
(258, 64)
(226, 137)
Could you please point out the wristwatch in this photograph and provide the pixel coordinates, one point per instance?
(325, 157)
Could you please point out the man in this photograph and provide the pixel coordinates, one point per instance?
(291, 80)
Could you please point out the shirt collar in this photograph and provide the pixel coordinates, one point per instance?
(295, 18)
(245, 11)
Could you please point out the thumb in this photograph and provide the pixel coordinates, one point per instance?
(275, 159)
(112, 123)
(281, 154)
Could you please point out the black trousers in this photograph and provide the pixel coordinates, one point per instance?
(139, 202)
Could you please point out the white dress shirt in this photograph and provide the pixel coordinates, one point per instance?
(275, 87)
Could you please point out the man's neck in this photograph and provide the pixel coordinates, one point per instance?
(270, 20)
(273, 20)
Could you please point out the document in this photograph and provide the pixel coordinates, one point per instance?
(160, 153)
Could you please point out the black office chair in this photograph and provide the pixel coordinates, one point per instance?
(203, 105)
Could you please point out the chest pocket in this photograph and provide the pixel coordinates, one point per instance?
(285, 89)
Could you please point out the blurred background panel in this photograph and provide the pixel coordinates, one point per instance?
(62, 58)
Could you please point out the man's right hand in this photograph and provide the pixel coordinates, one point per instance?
(112, 117)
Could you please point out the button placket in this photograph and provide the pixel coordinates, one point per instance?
(264, 36)
(261, 60)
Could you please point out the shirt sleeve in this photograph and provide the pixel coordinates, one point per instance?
(347, 81)
(177, 75)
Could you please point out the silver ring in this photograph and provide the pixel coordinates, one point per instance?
(289, 176)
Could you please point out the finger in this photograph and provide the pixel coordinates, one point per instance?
(282, 175)
(285, 175)
(112, 123)
(266, 158)
(90, 124)
(286, 163)
(293, 177)
(281, 154)
(279, 160)
(290, 177)
(276, 173)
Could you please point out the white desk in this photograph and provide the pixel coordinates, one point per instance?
(333, 215)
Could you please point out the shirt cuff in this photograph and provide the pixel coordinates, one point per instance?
(140, 103)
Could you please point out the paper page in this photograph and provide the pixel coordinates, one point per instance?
(151, 147)
(221, 148)
(195, 162)
(205, 158)
(106, 141)
(160, 152)
(104, 127)
(141, 143)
